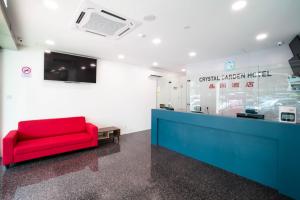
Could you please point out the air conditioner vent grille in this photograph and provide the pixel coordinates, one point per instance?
(80, 17)
(124, 32)
(96, 33)
(91, 17)
(99, 23)
(113, 15)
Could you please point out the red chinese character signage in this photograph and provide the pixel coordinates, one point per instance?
(212, 86)
(236, 85)
(250, 84)
(222, 85)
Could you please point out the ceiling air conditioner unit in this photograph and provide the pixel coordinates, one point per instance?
(94, 19)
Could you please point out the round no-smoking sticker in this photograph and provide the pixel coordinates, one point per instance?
(26, 71)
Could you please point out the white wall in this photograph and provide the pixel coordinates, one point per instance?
(123, 95)
(1, 89)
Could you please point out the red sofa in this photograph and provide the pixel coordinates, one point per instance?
(39, 138)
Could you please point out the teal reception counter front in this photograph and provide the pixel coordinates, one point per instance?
(263, 151)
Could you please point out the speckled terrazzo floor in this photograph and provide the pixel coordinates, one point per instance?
(132, 169)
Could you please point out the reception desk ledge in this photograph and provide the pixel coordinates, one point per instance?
(263, 151)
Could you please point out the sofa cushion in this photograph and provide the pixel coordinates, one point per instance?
(28, 146)
(50, 127)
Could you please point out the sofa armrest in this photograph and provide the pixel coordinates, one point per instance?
(93, 130)
(8, 144)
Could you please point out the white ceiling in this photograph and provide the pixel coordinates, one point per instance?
(216, 31)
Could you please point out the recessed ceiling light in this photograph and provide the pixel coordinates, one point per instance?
(155, 64)
(156, 41)
(183, 70)
(186, 27)
(239, 5)
(50, 42)
(83, 67)
(50, 4)
(5, 3)
(192, 54)
(93, 65)
(261, 36)
(121, 56)
(141, 35)
(150, 18)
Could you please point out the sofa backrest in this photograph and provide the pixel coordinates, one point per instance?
(50, 127)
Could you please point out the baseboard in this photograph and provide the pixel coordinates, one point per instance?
(135, 132)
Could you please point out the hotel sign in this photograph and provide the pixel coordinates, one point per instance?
(235, 77)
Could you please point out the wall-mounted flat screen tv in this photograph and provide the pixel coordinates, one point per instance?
(295, 61)
(295, 46)
(69, 68)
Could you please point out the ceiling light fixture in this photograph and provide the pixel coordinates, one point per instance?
(183, 70)
(156, 41)
(239, 5)
(5, 3)
(47, 51)
(141, 35)
(50, 42)
(121, 56)
(192, 54)
(186, 27)
(155, 64)
(50, 4)
(261, 36)
(150, 18)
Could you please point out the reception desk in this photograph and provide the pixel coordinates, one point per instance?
(263, 151)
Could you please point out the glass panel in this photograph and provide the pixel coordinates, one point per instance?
(261, 89)
(280, 90)
(238, 91)
(171, 92)
(200, 96)
(224, 93)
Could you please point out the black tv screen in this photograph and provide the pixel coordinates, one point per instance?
(69, 68)
(295, 64)
(295, 46)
